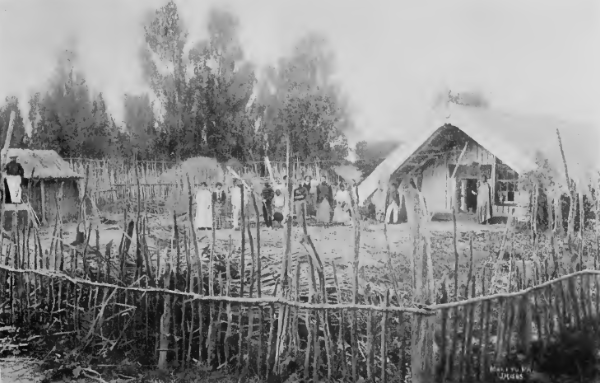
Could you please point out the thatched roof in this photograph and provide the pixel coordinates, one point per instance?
(47, 164)
(520, 141)
(348, 173)
(198, 169)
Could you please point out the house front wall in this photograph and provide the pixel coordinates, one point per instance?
(442, 191)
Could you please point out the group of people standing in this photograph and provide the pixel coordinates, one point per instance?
(389, 206)
(210, 205)
(325, 203)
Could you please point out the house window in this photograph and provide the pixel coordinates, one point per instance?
(507, 184)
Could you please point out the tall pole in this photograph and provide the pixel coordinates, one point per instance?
(285, 264)
(2, 163)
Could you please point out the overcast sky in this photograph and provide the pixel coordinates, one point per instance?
(393, 56)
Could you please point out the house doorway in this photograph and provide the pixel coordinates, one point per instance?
(470, 198)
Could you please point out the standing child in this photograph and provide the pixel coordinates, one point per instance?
(279, 208)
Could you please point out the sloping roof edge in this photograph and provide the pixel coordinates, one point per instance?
(47, 164)
(501, 149)
(395, 160)
(463, 119)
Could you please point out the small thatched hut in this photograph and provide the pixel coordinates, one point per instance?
(45, 172)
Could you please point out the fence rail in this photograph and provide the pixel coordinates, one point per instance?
(221, 305)
(174, 319)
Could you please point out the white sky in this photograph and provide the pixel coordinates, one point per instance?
(393, 56)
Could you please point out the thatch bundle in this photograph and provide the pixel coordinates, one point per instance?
(199, 169)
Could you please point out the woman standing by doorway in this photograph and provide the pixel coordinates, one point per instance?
(484, 202)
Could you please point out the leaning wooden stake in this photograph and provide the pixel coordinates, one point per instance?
(285, 262)
(571, 219)
(11, 124)
(165, 322)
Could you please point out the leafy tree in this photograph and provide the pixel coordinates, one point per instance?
(67, 119)
(140, 126)
(19, 137)
(301, 101)
(225, 83)
(366, 163)
(361, 149)
(205, 92)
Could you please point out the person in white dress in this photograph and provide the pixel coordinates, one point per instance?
(13, 180)
(343, 205)
(379, 202)
(484, 206)
(393, 204)
(204, 213)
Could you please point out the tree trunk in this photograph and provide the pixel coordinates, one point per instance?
(423, 327)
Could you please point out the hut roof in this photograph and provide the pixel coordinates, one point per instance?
(198, 169)
(518, 140)
(47, 164)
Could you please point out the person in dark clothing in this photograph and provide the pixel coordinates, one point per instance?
(311, 196)
(219, 199)
(300, 194)
(267, 199)
(13, 181)
(13, 168)
(324, 201)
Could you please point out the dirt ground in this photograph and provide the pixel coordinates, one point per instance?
(335, 244)
(15, 370)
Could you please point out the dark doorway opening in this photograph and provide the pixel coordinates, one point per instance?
(402, 215)
(471, 199)
(7, 198)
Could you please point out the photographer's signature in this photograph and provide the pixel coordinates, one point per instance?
(510, 374)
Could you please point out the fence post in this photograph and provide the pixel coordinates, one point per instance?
(165, 322)
(423, 326)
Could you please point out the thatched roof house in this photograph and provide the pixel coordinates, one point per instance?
(483, 141)
(45, 172)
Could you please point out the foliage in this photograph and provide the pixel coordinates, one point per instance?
(204, 95)
(140, 126)
(70, 120)
(366, 167)
(204, 102)
(302, 101)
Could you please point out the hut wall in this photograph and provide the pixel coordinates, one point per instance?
(70, 202)
(440, 189)
(434, 187)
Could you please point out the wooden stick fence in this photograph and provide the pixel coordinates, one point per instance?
(182, 303)
(54, 287)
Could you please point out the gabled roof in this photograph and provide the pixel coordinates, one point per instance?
(521, 140)
(47, 164)
(517, 140)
